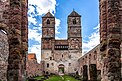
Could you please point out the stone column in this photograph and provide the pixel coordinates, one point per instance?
(93, 72)
(112, 62)
(24, 36)
(103, 34)
(15, 58)
(85, 73)
(111, 48)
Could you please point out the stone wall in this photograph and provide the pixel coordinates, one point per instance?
(32, 67)
(4, 53)
(90, 59)
(110, 16)
(13, 20)
(60, 57)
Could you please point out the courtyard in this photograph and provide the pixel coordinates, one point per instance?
(55, 78)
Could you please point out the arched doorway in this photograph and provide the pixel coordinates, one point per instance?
(61, 69)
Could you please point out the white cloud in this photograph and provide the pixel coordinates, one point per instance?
(93, 40)
(32, 20)
(38, 8)
(34, 35)
(42, 6)
(57, 25)
(36, 49)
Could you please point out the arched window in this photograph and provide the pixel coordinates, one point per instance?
(52, 64)
(62, 56)
(47, 65)
(50, 58)
(48, 21)
(69, 64)
(74, 21)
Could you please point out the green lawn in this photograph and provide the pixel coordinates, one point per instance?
(61, 78)
(57, 78)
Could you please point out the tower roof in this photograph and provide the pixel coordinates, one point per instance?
(74, 14)
(48, 15)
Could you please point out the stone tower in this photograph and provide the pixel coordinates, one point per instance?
(110, 39)
(48, 33)
(74, 34)
(61, 56)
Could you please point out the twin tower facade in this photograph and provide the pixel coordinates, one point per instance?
(61, 56)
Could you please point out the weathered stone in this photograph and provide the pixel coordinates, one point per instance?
(32, 67)
(4, 53)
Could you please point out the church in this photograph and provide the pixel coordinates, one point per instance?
(61, 56)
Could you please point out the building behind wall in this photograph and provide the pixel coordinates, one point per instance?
(61, 56)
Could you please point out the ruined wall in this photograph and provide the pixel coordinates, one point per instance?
(13, 20)
(90, 60)
(4, 53)
(32, 67)
(110, 47)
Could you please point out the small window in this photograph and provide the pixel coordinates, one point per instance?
(62, 56)
(69, 56)
(69, 64)
(50, 58)
(94, 57)
(47, 65)
(48, 21)
(52, 64)
(74, 21)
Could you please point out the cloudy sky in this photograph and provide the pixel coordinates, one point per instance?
(88, 9)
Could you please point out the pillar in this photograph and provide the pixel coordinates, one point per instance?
(14, 71)
(111, 61)
(24, 36)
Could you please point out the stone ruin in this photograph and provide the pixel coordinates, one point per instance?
(13, 20)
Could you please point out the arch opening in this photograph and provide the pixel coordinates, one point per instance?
(61, 69)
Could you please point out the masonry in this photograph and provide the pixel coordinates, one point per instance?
(13, 21)
(61, 56)
(33, 68)
(4, 53)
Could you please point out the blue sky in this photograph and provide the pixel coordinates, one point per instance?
(88, 9)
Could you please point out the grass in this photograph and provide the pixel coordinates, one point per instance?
(61, 78)
(57, 78)
(54, 78)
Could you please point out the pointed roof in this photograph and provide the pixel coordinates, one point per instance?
(48, 15)
(74, 14)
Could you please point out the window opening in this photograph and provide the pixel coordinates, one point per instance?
(48, 21)
(74, 21)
